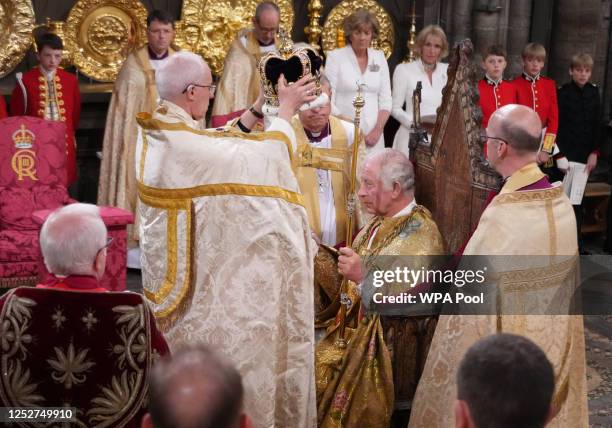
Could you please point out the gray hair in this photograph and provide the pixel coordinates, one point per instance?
(395, 167)
(181, 70)
(71, 238)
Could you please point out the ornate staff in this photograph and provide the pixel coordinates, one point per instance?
(358, 103)
(411, 35)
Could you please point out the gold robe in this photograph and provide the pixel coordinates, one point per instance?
(239, 85)
(526, 223)
(135, 91)
(355, 385)
(227, 255)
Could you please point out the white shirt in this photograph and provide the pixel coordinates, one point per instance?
(344, 74)
(405, 78)
(404, 211)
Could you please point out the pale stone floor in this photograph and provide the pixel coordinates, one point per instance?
(598, 335)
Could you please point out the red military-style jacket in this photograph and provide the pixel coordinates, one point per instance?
(37, 98)
(494, 95)
(3, 113)
(540, 93)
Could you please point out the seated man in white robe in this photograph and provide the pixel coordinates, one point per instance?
(226, 248)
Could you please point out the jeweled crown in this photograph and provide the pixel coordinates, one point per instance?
(293, 63)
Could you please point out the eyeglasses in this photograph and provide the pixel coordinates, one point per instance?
(211, 88)
(484, 138)
(109, 240)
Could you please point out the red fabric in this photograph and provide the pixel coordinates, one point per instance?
(13, 274)
(540, 95)
(69, 98)
(79, 349)
(494, 96)
(84, 283)
(221, 120)
(19, 245)
(3, 112)
(41, 187)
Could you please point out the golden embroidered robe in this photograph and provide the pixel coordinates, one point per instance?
(135, 91)
(337, 160)
(516, 223)
(227, 255)
(239, 85)
(355, 386)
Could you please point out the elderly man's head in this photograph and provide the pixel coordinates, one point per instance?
(316, 119)
(196, 388)
(266, 22)
(513, 138)
(387, 183)
(186, 81)
(73, 241)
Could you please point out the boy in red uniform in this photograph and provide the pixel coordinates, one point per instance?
(51, 93)
(494, 91)
(540, 93)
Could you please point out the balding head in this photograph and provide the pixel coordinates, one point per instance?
(185, 80)
(514, 135)
(519, 125)
(196, 388)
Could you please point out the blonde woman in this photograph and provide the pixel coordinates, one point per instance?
(431, 47)
(359, 63)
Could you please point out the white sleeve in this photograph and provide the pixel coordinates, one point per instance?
(384, 94)
(400, 92)
(281, 125)
(332, 70)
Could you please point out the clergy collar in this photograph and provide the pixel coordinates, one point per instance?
(492, 81)
(155, 57)
(314, 137)
(531, 78)
(260, 43)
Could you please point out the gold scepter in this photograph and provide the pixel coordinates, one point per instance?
(351, 206)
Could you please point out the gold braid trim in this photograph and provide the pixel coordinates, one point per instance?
(146, 121)
(177, 196)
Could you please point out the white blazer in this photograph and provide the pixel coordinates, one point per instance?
(405, 78)
(343, 72)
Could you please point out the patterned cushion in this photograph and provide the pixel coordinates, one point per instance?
(19, 245)
(17, 204)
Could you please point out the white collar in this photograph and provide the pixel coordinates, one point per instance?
(407, 209)
(48, 74)
(179, 113)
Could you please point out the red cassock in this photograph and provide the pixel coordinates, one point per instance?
(494, 95)
(540, 93)
(68, 104)
(3, 113)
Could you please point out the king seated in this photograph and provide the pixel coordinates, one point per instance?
(355, 386)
